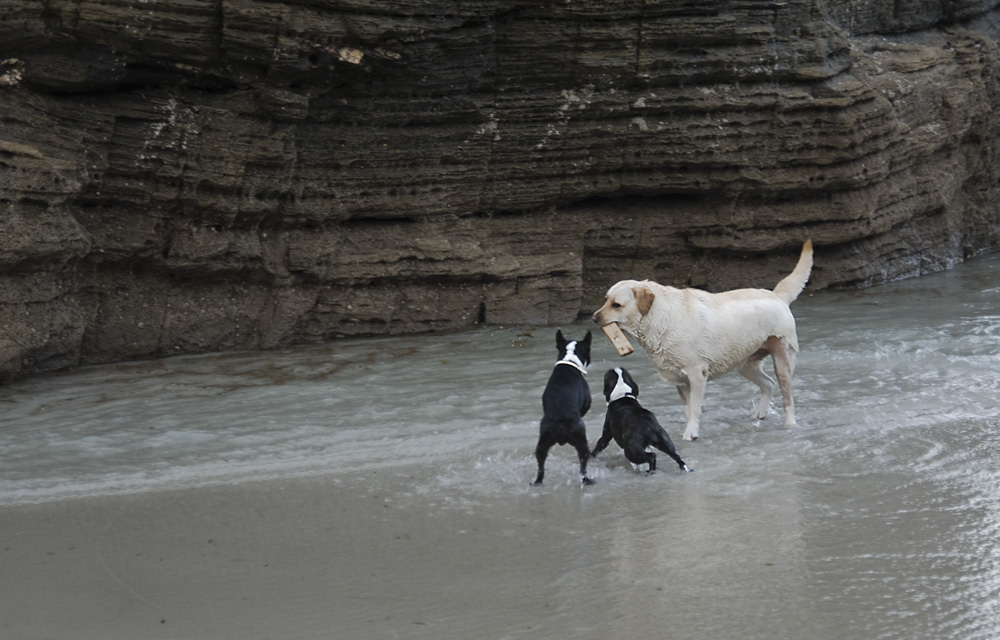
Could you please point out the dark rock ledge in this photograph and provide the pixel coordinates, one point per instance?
(190, 175)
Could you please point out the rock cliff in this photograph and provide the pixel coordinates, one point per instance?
(190, 175)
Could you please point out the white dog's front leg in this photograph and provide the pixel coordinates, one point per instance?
(697, 379)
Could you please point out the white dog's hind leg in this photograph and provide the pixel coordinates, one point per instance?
(753, 370)
(697, 379)
(784, 367)
(683, 391)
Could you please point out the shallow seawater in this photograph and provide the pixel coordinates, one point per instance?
(877, 517)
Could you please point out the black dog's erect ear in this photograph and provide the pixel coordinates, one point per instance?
(560, 340)
(586, 339)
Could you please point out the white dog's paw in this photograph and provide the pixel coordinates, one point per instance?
(759, 412)
(790, 419)
(691, 434)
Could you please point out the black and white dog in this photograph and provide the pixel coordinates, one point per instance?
(565, 401)
(631, 426)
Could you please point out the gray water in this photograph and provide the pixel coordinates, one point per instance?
(389, 479)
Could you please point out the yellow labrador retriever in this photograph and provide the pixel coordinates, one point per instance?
(693, 336)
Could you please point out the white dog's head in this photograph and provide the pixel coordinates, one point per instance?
(627, 302)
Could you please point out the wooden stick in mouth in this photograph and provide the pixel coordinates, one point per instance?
(618, 339)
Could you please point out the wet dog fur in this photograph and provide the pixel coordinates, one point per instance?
(630, 425)
(692, 336)
(565, 401)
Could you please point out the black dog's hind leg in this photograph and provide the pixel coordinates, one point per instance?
(667, 447)
(545, 443)
(579, 442)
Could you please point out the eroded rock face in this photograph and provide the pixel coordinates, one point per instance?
(180, 176)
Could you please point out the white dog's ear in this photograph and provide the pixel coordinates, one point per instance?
(643, 299)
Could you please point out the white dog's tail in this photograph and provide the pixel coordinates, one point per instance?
(790, 288)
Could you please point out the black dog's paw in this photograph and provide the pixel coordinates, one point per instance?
(587, 481)
(533, 483)
(686, 469)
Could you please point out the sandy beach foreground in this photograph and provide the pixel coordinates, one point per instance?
(365, 556)
(302, 558)
(780, 543)
(375, 556)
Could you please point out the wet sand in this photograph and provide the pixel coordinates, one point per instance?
(819, 548)
(370, 557)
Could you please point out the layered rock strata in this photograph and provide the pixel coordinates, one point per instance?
(188, 175)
